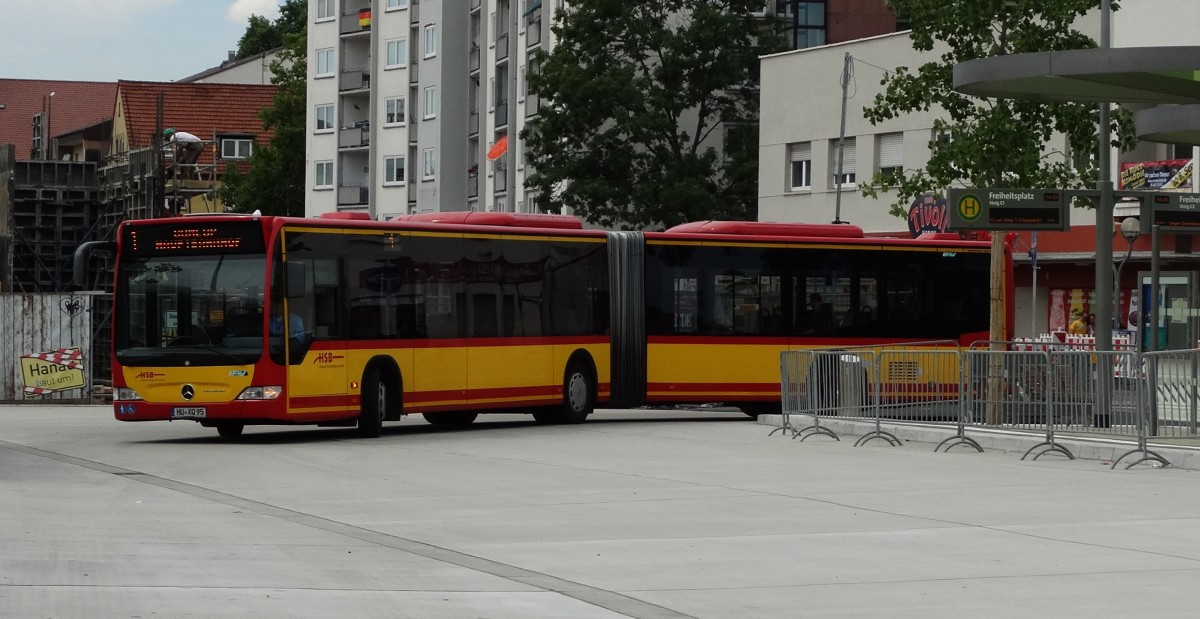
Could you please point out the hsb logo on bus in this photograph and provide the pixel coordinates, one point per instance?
(325, 357)
(969, 207)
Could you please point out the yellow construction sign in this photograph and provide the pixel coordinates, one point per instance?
(58, 370)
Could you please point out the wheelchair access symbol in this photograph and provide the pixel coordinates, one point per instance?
(969, 207)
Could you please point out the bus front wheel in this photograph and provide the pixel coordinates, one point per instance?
(230, 430)
(375, 393)
(452, 419)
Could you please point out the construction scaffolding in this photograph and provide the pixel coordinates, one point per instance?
(48, 208)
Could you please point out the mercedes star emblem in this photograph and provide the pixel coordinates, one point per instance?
(188, 392)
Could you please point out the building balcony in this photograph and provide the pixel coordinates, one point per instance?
(502, 113)
(355, 21)
(357, 136)
(533, 31)
(502, 47)
(473, 58)
(500, 178)
(473, 123)
(473, 184)
(353, 193)
(533, 104)
(354, 79)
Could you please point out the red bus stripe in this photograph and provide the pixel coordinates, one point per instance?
(460, 342)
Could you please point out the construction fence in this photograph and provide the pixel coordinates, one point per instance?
(1051, 389)
(48, 351)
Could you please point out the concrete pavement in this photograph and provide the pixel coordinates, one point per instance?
(643, 514)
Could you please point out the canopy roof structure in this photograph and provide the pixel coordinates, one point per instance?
(1154, 75)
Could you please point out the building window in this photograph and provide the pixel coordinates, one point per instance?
(395, 110)
(324, 118)
(236, 148)
(890, 155)
(325, 62)
(393, 5)
(323, 175)
(430, 102)
(847, 177)
(397, 53)
(393, 170)
(430, 40)
(429, 166)
(801, 165)
(324, 9)
(805, 20)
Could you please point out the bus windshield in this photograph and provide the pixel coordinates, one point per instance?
(190, 310)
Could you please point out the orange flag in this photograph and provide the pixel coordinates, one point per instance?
(498, 149)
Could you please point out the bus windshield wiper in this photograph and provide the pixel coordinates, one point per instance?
(210, 348)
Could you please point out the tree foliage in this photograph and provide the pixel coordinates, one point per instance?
(634, 95)
(274, 183)
(991, 143)
(264, 35)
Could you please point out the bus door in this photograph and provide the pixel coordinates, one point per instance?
(309, 338)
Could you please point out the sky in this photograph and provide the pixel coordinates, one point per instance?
(108, 40)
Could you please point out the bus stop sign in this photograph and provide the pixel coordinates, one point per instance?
(990, 208)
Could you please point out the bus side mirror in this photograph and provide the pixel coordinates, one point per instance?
(295, 279)
(82, 253)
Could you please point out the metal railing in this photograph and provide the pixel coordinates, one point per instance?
(1053, 389)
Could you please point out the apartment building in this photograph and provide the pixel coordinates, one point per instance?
(416, 106)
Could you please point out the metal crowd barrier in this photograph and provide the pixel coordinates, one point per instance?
(846, 383)
(1173, 386)
(1051, 387)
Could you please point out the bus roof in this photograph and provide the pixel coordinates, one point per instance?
(768, 228)
(509, 220)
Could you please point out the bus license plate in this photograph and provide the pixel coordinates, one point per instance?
(192, 413)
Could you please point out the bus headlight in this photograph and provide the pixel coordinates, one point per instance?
(270, 392)
(125, 393)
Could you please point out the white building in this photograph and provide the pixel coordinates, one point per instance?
(801, 108)
(407, 98)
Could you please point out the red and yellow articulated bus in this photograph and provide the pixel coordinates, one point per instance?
(235, 320)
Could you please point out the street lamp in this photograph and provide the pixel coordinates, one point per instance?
(1131, 229)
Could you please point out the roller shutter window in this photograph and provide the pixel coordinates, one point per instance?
(848, 176)
(891, 154)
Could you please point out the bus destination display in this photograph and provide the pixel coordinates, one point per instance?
(193, 238)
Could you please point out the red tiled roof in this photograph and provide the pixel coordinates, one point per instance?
(75, 105)
(202, 109)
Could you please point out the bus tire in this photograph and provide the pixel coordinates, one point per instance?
(579, 394)
(454, 419)
(376, 390)
(579, 397)
(230, 430)
(754, 409)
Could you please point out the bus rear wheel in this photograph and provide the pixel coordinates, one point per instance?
(375, 394)
(230, 430)
(454, 419)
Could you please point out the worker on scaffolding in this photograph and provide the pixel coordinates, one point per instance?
(188, 147)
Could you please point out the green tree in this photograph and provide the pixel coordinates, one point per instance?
(264, 35)
(274, 183)
(634, 96)
(991, 143)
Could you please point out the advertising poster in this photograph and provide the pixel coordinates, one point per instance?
(1170, 174)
